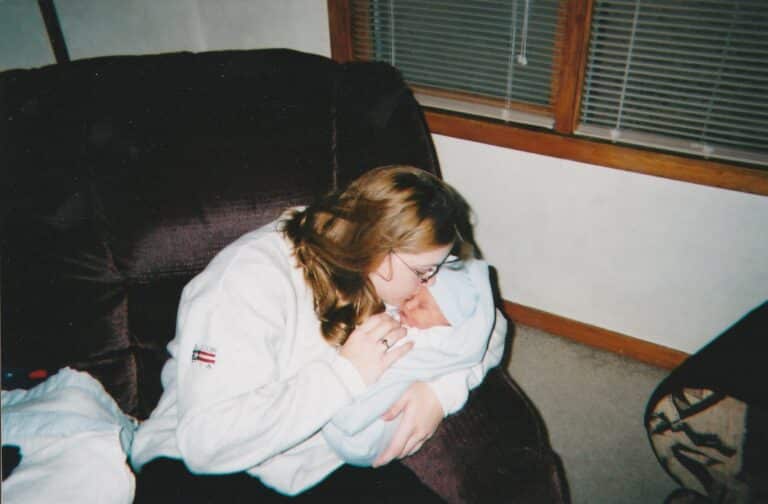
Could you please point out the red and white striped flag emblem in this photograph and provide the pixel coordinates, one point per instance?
(204, 355)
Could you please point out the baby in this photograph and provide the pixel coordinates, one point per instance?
(442, 345)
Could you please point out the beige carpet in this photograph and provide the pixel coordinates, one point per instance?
(593, 403)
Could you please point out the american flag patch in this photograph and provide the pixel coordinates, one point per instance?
(204, 355)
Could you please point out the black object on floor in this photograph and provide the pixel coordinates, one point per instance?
(11, 459)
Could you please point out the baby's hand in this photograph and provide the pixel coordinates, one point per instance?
(421, 311)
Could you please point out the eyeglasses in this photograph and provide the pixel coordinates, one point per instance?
(426, 273)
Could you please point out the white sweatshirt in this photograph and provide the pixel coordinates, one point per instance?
(251, 381)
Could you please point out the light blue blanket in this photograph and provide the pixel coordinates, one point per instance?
(68, 403)
(357, 432)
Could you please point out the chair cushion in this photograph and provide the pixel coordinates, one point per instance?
(496, 449)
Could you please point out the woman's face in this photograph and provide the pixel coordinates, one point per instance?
(396, 278)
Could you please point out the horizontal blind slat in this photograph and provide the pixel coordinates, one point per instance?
(749, 65)
(740, 97)
(737, 139)
(747, 26)
(685, 78)
(755, 49)
(653, 127)
(755, 127)
(665, 142)
(758, 117)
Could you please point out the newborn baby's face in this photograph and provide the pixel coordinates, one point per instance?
(422, 311)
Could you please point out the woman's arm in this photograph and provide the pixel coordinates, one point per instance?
(424, 404)
(246, 407)
(453, 389)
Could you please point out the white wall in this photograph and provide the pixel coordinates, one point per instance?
(23, 42)
(105, 27)
(95, 28)
(665, 261)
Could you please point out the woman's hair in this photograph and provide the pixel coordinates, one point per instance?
(344, 236)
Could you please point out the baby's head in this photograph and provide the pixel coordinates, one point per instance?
(452, 295)
(455, 294)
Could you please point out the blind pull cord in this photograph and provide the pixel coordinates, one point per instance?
(392, 57)
(616, 132)
(522, 56)
(505, 113)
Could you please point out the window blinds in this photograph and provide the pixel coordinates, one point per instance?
(685, 75)
(492, 58)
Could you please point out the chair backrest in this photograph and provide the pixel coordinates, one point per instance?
(122, 177)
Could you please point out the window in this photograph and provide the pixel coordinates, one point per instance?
(497, 59)
(689, 76)
(671, 88)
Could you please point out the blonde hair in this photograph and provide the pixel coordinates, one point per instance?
(341, 238)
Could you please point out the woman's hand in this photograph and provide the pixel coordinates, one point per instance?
(422, 311)
(370, 347)
(421, 414)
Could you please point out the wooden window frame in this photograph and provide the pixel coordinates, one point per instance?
(561, 141)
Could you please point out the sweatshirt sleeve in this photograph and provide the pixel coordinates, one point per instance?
(237, 406)
(452, 389)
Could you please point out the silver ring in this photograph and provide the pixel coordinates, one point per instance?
(386, 343)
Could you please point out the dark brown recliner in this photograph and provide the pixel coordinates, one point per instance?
(123, 176)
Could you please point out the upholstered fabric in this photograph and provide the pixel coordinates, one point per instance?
(487, 454)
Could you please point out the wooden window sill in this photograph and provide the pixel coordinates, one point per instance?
(538, 141)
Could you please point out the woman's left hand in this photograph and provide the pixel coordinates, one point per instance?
(421, 414)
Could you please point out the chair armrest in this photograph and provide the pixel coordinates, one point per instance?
(496, 449)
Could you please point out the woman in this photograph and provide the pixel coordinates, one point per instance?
(286, 326)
